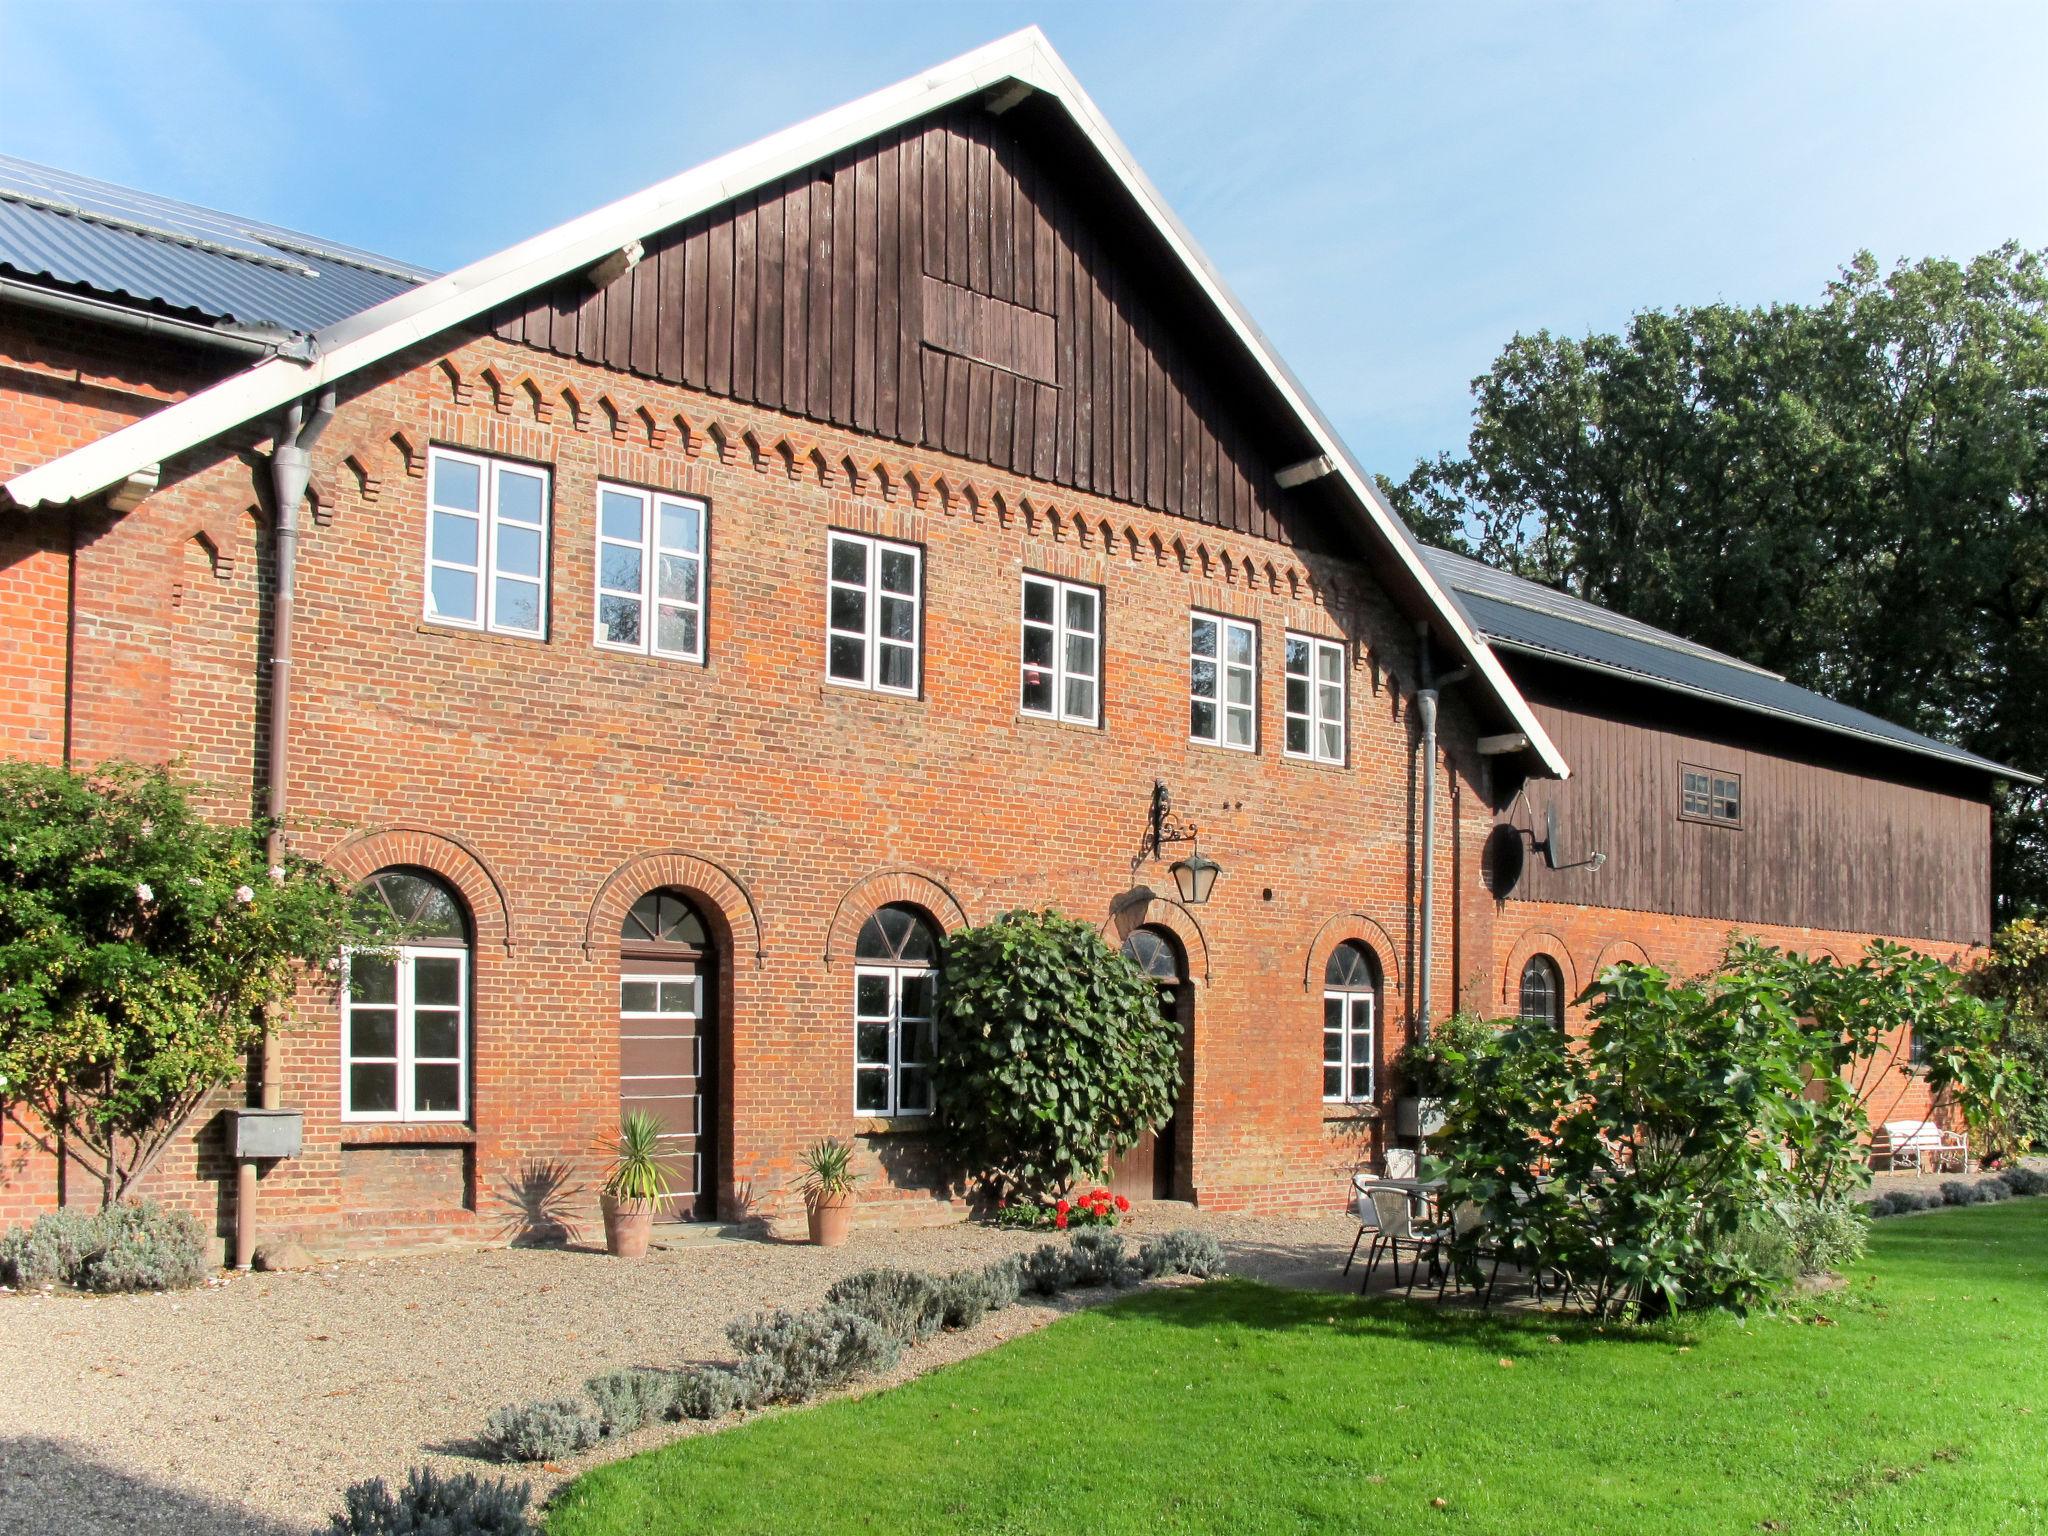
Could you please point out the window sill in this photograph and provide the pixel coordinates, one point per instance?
(883, 1125)
(831, 690)
(488, 636)
(1313, 762)
(1025, 717)
(1350, 1114)
(384, 1133)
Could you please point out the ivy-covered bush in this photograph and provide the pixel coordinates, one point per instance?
(627, 1399)
(431, 1504)
(541, 1431)
(1053, 1056)
(141, 1247)
(906, 1305)
(801, 1354)
(1184, 1251)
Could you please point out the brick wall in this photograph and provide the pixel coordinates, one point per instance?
(541, 777)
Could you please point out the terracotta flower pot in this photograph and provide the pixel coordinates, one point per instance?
(831, 1217)
(627, 1226)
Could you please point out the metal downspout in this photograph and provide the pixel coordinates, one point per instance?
(291, 469)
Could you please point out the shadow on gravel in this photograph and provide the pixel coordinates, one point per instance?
(48, 1486)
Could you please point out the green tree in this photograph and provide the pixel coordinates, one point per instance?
(1053, 1054)
(2015, 973)
(1849, 492)
(143, 953)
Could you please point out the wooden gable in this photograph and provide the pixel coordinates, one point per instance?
(942, 288)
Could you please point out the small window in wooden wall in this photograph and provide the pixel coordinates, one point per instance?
(1709, 795)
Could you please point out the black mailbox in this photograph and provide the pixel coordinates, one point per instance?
(264, 1133)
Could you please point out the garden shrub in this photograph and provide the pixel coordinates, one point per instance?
(801, 1354)
(1956, 1192)
(49, 1250)
(1827, 1235)
(965, 1297)
(1878, 1206)
(1098, 1258)
(1047, 1270)
(904, 1304)
(1053, 1056)
(433, 1505)
(627, 1399)
(1184, 1251)
(1761, 1244)
(1918, 1200)
(755, 1381)
(1005, 1278)
(541, 1431)
(2024, 1181)
(1991, 1191)
(144, 1248)
(141, 1247)
(711, 1392)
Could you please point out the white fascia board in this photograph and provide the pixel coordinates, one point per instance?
(368, 338)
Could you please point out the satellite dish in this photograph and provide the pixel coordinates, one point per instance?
(1550, 858)
(1503, 860)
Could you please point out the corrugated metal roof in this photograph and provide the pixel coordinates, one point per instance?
(1519, 614)
(115, 241)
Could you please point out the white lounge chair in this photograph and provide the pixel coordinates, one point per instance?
(1919, 1142)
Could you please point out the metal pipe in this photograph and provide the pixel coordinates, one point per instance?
(75, 306)
(1425, 701)
(291, 470)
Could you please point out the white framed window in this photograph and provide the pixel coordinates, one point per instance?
(1351, 996)
(650, 572)
(1315, 699)
(487, 543)
(873, 619)
(1223, 682)
(1061, 664)
(405, 1035)
(895, 1013)
(405, 1011)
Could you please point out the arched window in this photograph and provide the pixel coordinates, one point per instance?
(405, 1013)
(1351, 1010)
(895, 1007)
(1543, 992)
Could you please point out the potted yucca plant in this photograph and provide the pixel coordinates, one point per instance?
(634, 1184)
(827, 1183)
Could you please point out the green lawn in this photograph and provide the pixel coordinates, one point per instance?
(1915, 1401)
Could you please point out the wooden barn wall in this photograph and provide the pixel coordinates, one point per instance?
(1819, 847)
(936, 288)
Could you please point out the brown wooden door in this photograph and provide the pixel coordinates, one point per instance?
(1151, 1169)
(664, 1006)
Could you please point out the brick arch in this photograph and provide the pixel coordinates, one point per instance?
(1145, 908)
(1347, 927)
(1535, 941)
(686, 871)
(362, 855)
(910, 886)
(1618, 952)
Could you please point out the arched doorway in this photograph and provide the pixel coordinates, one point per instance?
(1151, 1170)
(668, 978)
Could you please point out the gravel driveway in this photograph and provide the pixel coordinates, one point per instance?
(248, 1405)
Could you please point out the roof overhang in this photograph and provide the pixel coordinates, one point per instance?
(997, 71)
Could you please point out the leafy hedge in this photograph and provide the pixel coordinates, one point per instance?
(1053, 1056)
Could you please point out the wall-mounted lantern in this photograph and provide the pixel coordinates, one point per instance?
(1194, 877)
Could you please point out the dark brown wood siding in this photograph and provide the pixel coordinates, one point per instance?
(1819, 846)
(936, 287)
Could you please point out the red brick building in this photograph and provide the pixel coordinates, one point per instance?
(695, 611)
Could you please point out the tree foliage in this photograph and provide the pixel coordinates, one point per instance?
(1053, 1055)
(1849, 492)
(2015, 973)
(143, 951)
(1637, 1160)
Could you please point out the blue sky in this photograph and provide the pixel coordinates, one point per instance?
(1393, 190)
